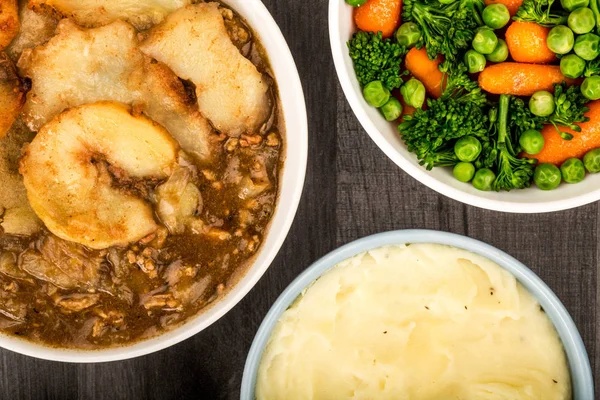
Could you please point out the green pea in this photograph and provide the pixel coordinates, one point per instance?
(560, 39)
(485, 40)
(547, 176)
(413, 93)
(392, 110)
(496, 16)
(572, 66)
(376, 94)
(475, 61)
(356, 3)
(591, 160)
(464, 171)
(590, 88)
(582, 20)
(500, 53)
(408, 34)
(542, 103)
(571, 5)
(531, 141)
(572, 170)
(483, 179)
(587, 46)
(467, 148)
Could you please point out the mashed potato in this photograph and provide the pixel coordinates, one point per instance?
(424, 321)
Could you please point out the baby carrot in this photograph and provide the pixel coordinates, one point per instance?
(421, 67)
(557, 150)
(520, 79)
(527, 43)
(406, 109)
(379, 16)
(512, 5)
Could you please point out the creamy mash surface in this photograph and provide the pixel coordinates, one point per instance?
(417, 322)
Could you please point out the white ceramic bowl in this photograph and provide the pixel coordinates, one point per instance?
(579, 363)
(292, 181)
(385, 135)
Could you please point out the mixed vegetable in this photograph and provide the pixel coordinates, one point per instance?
(504, 92)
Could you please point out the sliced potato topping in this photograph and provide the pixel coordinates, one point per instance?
(92, 13)
(9, 22)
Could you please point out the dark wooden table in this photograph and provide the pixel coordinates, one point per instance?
(351, 190)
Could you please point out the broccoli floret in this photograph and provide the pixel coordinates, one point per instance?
(431, 133)
(473, 10)
(447, 28)
(376, 59)
(570, 108)
(512, 172)
(489, 152)
(522, 119)
(428, 132)
(592, 68)
(542, 13)
(459, 85)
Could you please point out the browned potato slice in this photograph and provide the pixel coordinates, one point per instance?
(12, 96)
(92, 13)
(193, 41)
(9, 22)
(36, 29)
(74, 194)
(113, 69)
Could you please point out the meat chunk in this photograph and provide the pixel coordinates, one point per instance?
(178, 202)
(9, 267)
(109, 67)
(76, 302)
(66, 265)
(37, 266)
(194, 43)
(92, 13)
(184, 283)
(12, 95)
(12, 310)
(9, 22)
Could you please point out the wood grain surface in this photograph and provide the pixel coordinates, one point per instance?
(351, 190)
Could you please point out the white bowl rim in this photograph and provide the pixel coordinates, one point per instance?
(579, 363)
(284, 217)
(420, 173)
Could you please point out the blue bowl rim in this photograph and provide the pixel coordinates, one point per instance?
(579, 363)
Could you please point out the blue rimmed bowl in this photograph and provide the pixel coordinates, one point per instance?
(579, 363)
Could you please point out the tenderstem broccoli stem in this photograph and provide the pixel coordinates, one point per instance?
(503, 118)
(477, 15)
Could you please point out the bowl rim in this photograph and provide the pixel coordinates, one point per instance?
(417, 172)
(284, 216)
(579, 363)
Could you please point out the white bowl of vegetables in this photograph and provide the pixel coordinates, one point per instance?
(493, 104)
